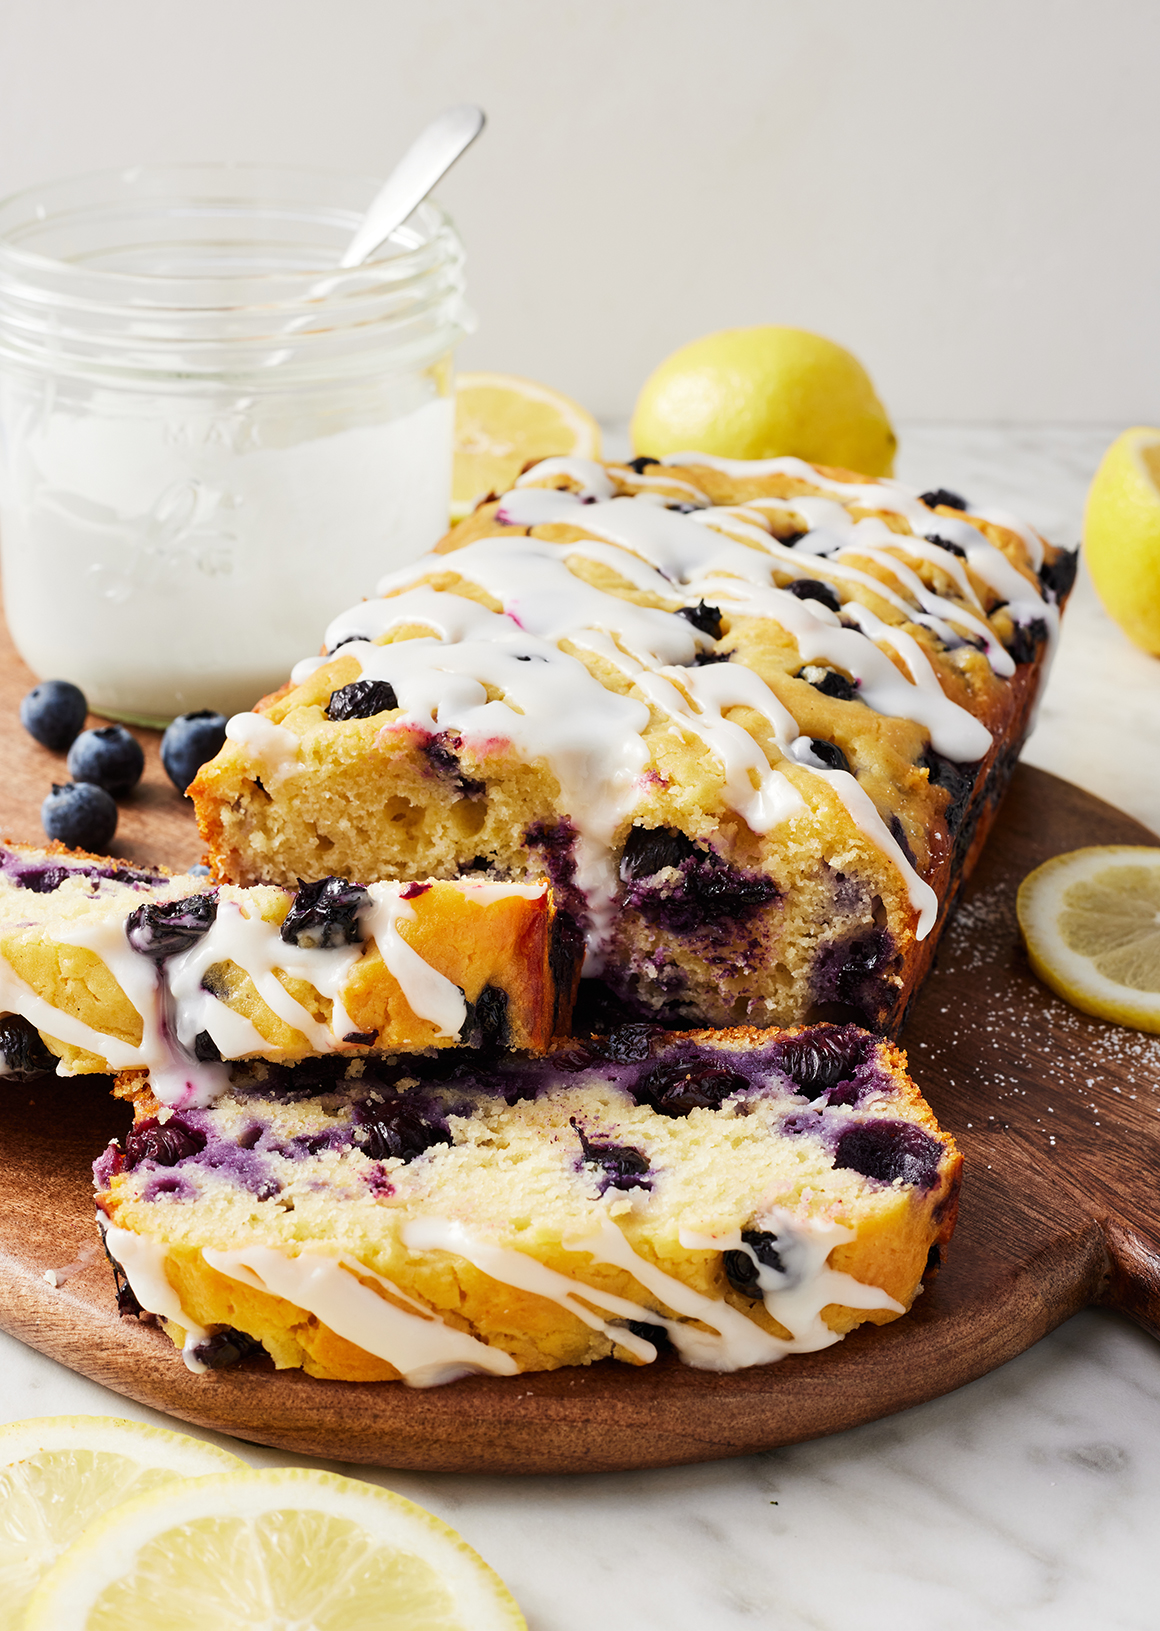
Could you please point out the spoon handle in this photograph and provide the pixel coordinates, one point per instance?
(424, 163)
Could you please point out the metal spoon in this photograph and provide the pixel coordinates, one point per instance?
(424, 163)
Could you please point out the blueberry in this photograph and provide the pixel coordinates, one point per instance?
(54, 712)
(164, 1143)
(486, 1024)
(79, 815)
(166, 928)
(705, 618)
(650, 850)
(811, 589)
(226, 1347)
(362, 700)
(399, 1128)
(889, 1150)
(325, 914)
(22, 1053)
(675, 1087)
(191, 741)
(830, 754)
(109, 757)
(640, 464)
(629, 1044)
(656, 1334)
(945, 543)
(1057, 576)
(624, 1166)
(1026, 639)
(819, 1058)
(833, 684)
(740, 1269)
(940, 495)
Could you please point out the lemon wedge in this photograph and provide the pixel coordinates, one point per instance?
(1091, 925)
(1121, 534)
(760, 393)
(502, 422)
(59, 1473)
(292, 1549)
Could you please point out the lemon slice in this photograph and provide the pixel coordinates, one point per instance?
(1121, 534)
(501, 422)
(296, 1550)
(59, 1473)
(1091, 924)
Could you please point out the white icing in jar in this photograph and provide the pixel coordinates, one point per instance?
(210, 440)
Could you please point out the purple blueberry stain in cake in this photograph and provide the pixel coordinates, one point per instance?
(622, 1165)
(555, 843)
(164, 929)
(686, 890)
(399, 1129)
(853, 973)
(676, 1087)
(163, 1143)
(889, 1152)
(325, 914)
(168, 1186)
(42, 876)
(108, 1164)
(442, 754)
(818, 1059)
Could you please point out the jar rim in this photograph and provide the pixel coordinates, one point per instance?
(30, 211)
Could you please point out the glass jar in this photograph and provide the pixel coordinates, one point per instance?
(211, 439)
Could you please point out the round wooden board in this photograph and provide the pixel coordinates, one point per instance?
(1056, 1114)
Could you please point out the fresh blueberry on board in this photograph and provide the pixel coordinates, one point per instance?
(54, 713)
(191, 741)
(109, 757)
(81, 815)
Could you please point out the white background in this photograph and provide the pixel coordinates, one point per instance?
(962, 193)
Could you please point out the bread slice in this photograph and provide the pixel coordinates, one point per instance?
(124, 969)
(753, 719)
(734, 1196)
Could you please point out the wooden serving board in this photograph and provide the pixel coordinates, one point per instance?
(1057, 1115)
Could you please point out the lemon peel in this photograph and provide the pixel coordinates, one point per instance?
(761, 393)
(1121, 534)
(1091, 923)
(502, 422)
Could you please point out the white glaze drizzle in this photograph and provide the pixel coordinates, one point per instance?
(428, 1352)
(415, 1341)
(275, 748)
(175, 1007)
(143, 1264)
(589, 473)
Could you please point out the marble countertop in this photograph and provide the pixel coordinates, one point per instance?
(1023, 1502)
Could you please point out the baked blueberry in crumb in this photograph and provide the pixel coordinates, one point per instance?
(226, 1347)
(830, 754)
(888, 1151)
(486, 1024)
(325, 914)
(54, 713)
(676, 1087)
(80, 815)
(398, 1129)
(624, 1167)
(111, 757)
(165, 1143)
(945, 543)
(703, 617)
(829, 682)
(628, 1044)
(943, 496)
(812, 589)
(740, 1269)
(1026, 639)
(191, 741)
(1058, 577)
(22, 1053)
(650, 850)
(640, 464)
(656, 1334)
(819, 1058)
(362, 699)
(955, 780)
(163, 929)
(127, 1305)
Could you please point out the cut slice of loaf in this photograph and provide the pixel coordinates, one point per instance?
(753, 719)
(120, 969)
(735, 1196)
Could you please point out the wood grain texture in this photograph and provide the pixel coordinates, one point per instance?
(1057, 1115)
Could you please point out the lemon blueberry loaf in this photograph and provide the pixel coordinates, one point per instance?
(734, 1196)
(120, 969)
(754, 719)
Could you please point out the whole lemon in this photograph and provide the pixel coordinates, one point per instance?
(1121, 534)
(758, 393)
